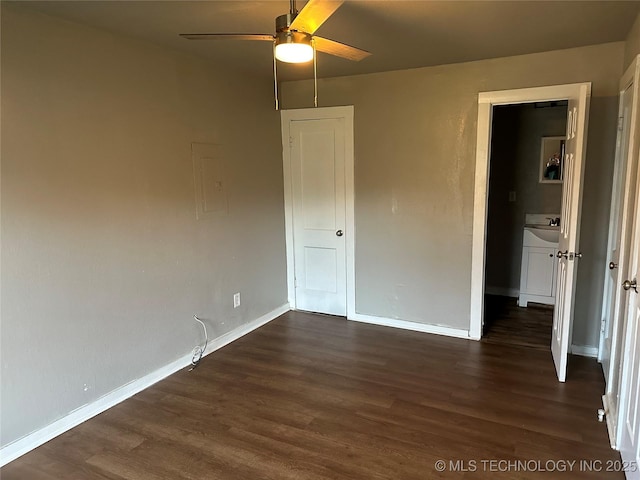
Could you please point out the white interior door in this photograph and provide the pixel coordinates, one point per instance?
(618, 238)
(318, 186)
(569, 228)
(629, 420)
(619, 248)
(318, 199)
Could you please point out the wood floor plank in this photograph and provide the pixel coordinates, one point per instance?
(315, 397)
(503, 318)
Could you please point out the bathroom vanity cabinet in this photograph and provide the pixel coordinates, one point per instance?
(539, 265)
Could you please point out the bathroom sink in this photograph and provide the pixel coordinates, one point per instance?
(542, 227)
(541, 235)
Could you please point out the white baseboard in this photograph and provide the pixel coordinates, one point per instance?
(13, 450)
(502, 291)
(406, 325)
(584, 351)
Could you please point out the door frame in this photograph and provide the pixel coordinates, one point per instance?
(347, 113)
(621, 205)
(630, 328)
(486, 102)
(615, 216)
(625, 177)
(620, 181)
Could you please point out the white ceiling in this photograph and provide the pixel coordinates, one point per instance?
(400, 34)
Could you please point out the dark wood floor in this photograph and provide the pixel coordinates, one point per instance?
(317, 397)
(506, 323)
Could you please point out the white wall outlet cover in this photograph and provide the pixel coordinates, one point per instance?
(236, 300)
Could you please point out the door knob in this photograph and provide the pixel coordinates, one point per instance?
(578, 255)
(629, 284)
(612, 265)
(564, 254)
(339, 233)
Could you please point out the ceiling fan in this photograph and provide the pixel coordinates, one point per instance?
(294, 40)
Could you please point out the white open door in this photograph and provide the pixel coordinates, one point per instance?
(578, 96)
(318, 180)
(619, 245)
(629, 420)
(575, 149)
(619, 231)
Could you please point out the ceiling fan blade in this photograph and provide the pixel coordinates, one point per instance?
(227, 36)
(314, 14)
(339, 49)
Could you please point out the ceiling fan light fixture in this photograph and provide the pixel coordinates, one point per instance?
(294, 47)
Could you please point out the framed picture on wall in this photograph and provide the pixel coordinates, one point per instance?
(551, 159)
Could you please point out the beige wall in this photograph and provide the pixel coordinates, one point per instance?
(415, 135)
(103, 260)
(632, 45)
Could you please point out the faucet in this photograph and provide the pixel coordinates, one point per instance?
(554, 222)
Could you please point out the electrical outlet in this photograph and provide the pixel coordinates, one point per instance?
(236, 300)
(512, 196)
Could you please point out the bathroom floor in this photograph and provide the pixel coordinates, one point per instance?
(508, 324)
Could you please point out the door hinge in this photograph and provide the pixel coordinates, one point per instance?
(620, 123)
(603, 325)
(290, 141)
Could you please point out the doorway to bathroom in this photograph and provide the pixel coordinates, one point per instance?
(523, 222)
(578, 96)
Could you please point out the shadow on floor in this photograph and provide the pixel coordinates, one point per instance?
(508, 324)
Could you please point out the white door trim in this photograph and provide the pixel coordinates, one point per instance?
(613, 323)
(286, 116)
(620, 180)
(629, 390)
(630, 206)
(486, 102)
(616, 187)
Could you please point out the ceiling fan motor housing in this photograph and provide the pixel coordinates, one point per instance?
(291, 36)
(283, 22)
(284, 35)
